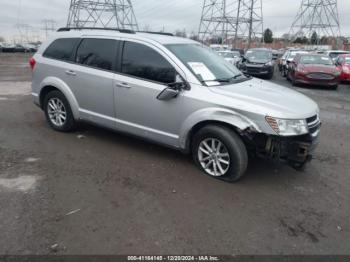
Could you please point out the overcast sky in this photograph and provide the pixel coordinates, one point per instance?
(172, 14)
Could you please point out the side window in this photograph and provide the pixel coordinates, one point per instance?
(98, 53)
(144, 62)
(61, 49)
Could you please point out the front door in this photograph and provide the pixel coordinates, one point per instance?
(144, 74)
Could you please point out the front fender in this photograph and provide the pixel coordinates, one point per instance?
(64, 88)
(213, 114)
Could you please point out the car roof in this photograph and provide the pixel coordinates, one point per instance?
(312, 54)
(157, 37)
(260, 49)
(338, 51)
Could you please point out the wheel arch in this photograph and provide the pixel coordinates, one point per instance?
(222, 117)
(52, 84)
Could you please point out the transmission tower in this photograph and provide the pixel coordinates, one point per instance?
(49, 25)
(231, 19)
(102, 13)
(320, 16)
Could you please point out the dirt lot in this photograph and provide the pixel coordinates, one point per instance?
(98, 192)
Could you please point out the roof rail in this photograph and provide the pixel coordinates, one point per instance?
(127, 31)
(156, 33)
(67, 29)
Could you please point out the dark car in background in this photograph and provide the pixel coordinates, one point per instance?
(313, 69)
(258, 62)
(343, 64)
(8, 48)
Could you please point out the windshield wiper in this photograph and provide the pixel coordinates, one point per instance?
(226, 80)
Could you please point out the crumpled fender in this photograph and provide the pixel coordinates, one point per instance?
(213, 114)
(64, 88)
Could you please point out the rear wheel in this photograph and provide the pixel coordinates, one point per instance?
(220, 153)
(58, 112)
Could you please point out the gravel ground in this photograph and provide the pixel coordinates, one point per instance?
(99, 192)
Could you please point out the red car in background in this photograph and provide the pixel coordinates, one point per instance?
(314, 69)
(343, 64)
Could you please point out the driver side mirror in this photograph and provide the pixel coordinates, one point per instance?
(174, 89)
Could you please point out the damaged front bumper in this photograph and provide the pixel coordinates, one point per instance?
(296, 151)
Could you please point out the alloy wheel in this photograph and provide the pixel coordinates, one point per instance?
(57, 112)
(214, 157)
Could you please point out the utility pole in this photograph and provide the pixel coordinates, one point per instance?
(102, 13)
(232, 20)
(320, 16)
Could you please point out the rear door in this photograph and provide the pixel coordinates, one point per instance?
(91, 79)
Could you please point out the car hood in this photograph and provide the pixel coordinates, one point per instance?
(263, 97)
(320, 68)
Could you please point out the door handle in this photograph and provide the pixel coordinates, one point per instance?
(123, 85)
(71, 73)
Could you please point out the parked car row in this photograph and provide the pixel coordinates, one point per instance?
(19, 48)
(315, 68)
(322, 68)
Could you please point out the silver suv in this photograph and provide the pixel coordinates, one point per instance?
(172, 91)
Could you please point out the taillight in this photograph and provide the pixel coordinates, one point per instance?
(32, 63)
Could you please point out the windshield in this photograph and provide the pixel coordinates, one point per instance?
(316, 60)
(258, 55)
(205, 64)
(336, 54)
(347, 60)
(292, 55)
(229, 54)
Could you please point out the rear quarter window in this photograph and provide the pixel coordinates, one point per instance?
(62, 49)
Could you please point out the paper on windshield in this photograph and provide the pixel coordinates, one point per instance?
(202, 70)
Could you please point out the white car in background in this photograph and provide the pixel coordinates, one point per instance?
(233, 57)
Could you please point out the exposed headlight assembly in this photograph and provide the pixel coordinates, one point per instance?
(288, 127)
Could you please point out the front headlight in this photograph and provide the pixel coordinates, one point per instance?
(337, 73)
(346, 70)
(288, 127)
(269, 63)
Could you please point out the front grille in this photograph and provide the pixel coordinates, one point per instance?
(253, 70)
(320, 76)
(314, 125)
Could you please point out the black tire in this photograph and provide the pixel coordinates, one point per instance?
(238, 156)
(269, 76)
(334, 87)
(294, 83)
(289, 76)
(69, 124)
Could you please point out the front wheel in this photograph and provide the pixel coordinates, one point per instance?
(220, 153)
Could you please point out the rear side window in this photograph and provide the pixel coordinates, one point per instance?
(62, 49)
(97, 53)
(144, 62)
